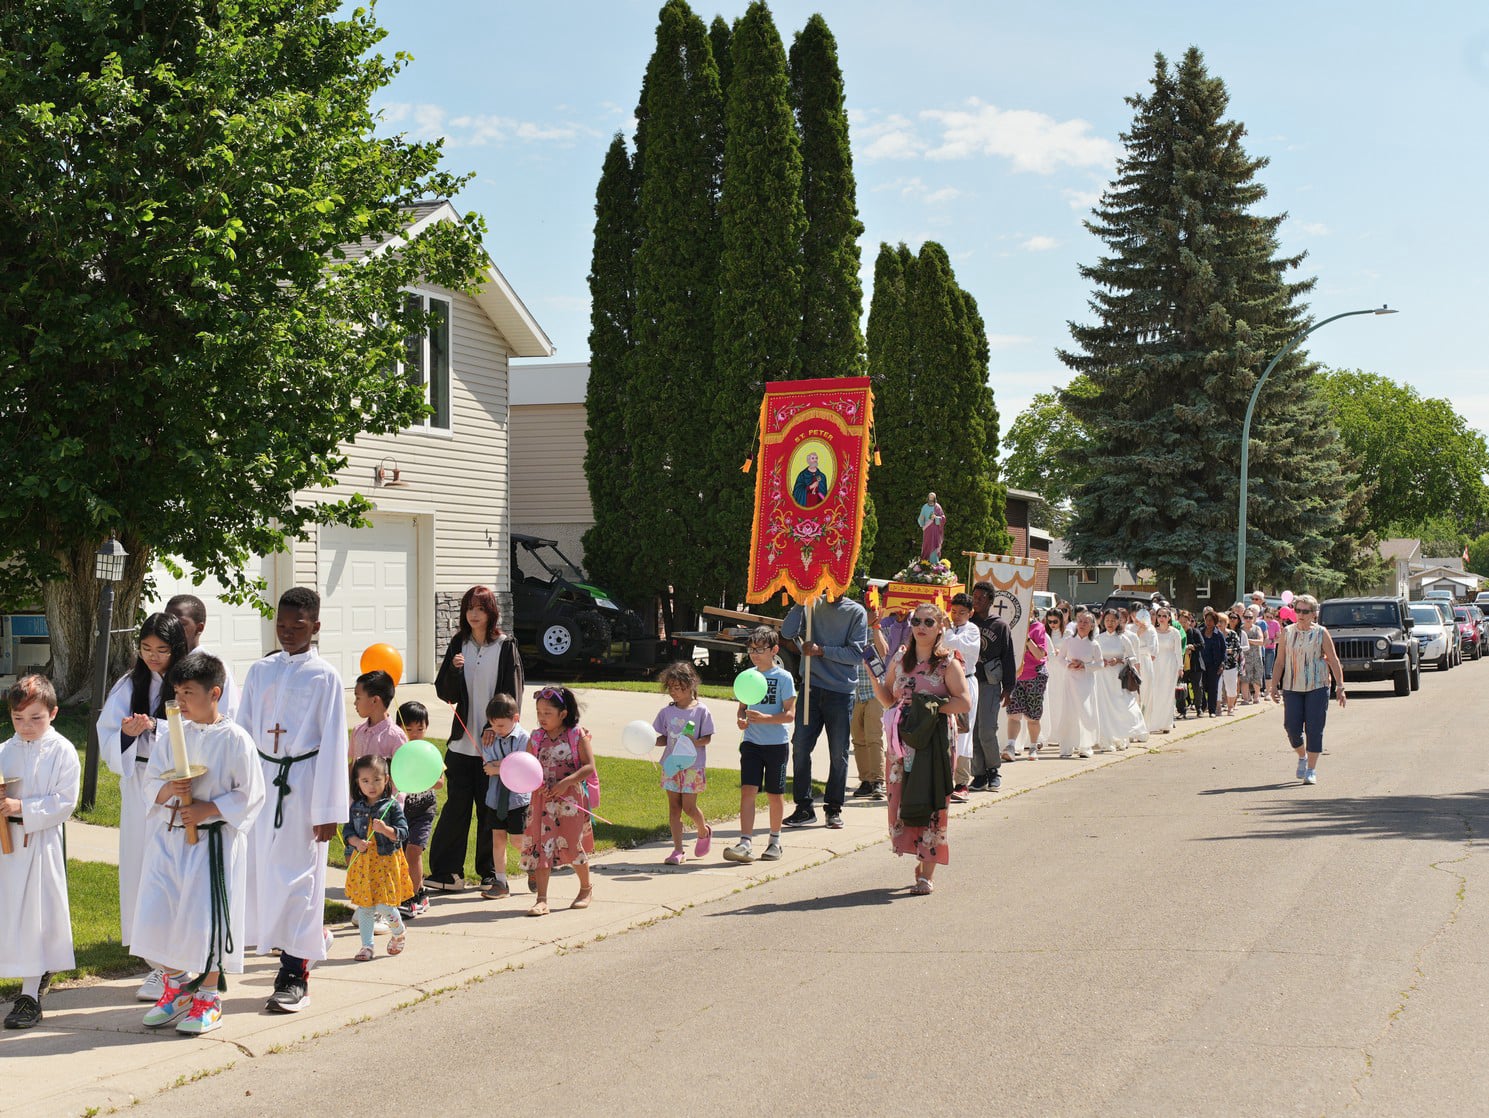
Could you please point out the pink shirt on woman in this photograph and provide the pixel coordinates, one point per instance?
(1032, 663)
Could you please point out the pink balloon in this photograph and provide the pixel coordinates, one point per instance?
(521, 773)
(1287, 597)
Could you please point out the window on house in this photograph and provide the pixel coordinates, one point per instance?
(426, 360)
(1202, 589)
(1088, 576)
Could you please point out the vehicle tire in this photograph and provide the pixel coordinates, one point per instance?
(1416, 676)
(559, 642)
(1403, 682)
(1444, 662)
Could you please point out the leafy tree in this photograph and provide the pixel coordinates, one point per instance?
(759, 305)
(185, 349)
(937, 423)
(1191, 301)
(679, 151)
(1478, 555)
(1442, 536)
(610, 549)
(1046, 454)
(1422, 455)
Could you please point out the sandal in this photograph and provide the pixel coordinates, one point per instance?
(674, 859)
(923, 886)
(395, 944)
(365, 954)
(584, 897)
(705, 840)
(539, 909)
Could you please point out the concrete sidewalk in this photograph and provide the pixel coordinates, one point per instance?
(92, 1052)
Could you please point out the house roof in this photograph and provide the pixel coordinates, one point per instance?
(1399, 548)
(1447, 563)
(1024, 494)
(494, 294)
(1445, 574)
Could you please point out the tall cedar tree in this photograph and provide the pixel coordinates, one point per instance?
(610, 546)
(669, 495)
(759, 305)
(185, 348)
(1191, 304)
(718, 38)
(831, 342)
(937, 422)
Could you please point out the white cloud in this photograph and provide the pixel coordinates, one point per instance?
(1007, 341)
(1032, 140)
(1038, 243)
(1315, 228)
(917, 188)
(1082, 199)
(945, 194)
(431, 122)
(891, 138)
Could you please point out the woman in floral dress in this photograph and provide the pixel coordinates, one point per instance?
(559, 828)
(929, 667)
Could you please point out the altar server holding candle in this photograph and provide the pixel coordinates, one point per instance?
(192, 895)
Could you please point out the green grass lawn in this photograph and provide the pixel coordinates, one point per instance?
(93, 893)
(631, 799)
(649, 686)
(72, 723)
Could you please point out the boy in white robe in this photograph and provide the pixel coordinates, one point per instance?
(191, 611)
(294, 707)
(191, 905)
(42, 773)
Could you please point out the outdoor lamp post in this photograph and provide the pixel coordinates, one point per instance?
(108, 568)
(1246, 434)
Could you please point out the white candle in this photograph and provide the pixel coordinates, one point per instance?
(178, 740)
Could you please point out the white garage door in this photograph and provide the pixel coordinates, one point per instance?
(236, 633)
(368, 579)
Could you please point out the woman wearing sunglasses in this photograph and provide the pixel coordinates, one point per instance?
(1306, 661)
(927, 667)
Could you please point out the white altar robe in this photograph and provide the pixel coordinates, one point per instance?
(130, 768)
(302, 696)
(35, 922)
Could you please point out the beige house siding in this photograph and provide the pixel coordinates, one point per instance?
(453, 483)
(550, 495)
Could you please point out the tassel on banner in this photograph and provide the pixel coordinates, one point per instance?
(749, 462)
(877, 460)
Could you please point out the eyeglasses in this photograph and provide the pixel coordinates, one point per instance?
(927, 622)
(551, 694)
(1303, 609)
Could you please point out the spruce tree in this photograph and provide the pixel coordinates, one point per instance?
(832, 296)
(1191, 303)
(759, 305)
(676, 285)
(611, 552)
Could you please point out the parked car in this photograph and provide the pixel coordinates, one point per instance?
(1444, 607)
(1483, 622)
(1482, 600)
(1469, 640)
(1433, 635)
(1438, 596)
(565, 620)
(1373, 638)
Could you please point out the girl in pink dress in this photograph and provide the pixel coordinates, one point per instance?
(559, 828)
(928, 667)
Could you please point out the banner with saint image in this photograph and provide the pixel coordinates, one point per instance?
(810, 487)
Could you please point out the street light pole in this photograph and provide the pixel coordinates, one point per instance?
(108, 568)
(1246, 434)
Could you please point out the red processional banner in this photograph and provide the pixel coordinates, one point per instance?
(810, 487)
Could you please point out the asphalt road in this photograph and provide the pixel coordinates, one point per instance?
(1190, 932)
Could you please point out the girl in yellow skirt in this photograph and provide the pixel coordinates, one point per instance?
(377, 878)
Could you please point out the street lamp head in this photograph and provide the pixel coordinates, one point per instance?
(108, 563)
(1385, 310)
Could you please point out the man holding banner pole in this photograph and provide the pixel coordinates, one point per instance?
(839, 635)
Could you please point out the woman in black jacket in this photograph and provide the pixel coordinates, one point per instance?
(481, 662)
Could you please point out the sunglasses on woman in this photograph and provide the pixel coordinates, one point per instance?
(927, 622)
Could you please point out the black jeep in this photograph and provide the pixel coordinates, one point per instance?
(564, 619)
(1373, 639)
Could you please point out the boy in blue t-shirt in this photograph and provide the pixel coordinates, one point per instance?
(765, 749)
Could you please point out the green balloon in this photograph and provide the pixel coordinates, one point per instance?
(416, 767)
(750, 686)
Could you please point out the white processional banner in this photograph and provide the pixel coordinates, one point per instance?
(1013, 590)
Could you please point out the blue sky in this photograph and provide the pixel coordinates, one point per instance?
(992, 127)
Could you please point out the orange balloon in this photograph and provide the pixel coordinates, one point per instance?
(383, 658)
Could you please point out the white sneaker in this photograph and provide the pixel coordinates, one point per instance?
(1310, 777)
(153, 986)
(380, 926)
(772, 852)
(1085, 753)
(741, 852)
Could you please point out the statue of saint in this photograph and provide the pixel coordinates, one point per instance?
(932, 523)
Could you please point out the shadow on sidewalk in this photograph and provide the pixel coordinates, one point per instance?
(886, 895)
(1455, 817)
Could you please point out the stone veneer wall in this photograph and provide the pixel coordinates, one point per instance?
(447, 619)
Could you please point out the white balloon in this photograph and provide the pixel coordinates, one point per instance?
(638, 738)
(683, 750)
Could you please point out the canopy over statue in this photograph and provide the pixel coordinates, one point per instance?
(932, 523)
